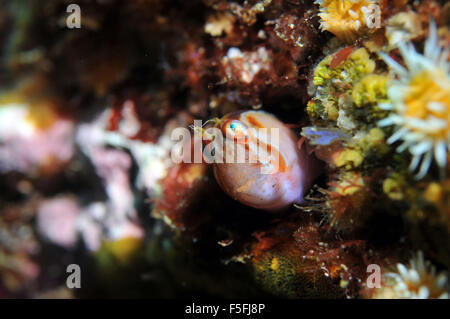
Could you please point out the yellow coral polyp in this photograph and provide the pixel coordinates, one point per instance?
(356, 65)
(393, 189)
(363, 62)
(348, 158)
(428, 95)
(346, 19)
(433, 193)
(420, 103)
(370, 89)
(351, 184)
(275, 264)
(373, 141)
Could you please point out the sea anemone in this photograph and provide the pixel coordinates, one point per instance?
(334, 80)
(347, 19)
(420, 103)
(418, 281)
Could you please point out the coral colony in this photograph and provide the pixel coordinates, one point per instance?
(257, 148)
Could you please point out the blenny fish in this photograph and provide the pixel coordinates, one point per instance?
(262, 164)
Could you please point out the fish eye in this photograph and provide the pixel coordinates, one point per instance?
(236, 130)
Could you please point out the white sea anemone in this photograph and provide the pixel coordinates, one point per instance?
(418, 280)
(420, 103)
